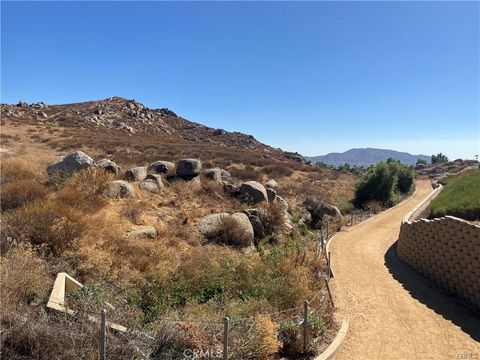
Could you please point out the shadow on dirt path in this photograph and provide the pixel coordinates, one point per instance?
(441, 301)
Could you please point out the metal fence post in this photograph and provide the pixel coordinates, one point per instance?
(225, 338)
(305, 327)
(103, 335)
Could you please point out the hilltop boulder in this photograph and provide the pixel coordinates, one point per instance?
(118, 189)
(161, 167)
(188, 168)
(75, 161)
(136, 174)
(217, 174)
(253, 192)
(271, 184)
(108, 166)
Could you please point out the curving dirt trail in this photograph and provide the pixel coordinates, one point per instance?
(395, 313)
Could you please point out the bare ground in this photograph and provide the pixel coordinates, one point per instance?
(394, 312)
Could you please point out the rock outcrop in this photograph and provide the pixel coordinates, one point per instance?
(118, 189)
(108, 166)
(188, 168)
(253, 192)
(161, 167)
(138, 173)
(75, 161)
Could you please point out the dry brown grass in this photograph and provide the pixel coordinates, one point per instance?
(229, 232)
(46, 223)
(20, 193)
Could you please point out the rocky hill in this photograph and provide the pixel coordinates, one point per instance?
(366, 157)
(116, 117)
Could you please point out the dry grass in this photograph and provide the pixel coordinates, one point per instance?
(20, 193)
(229, 232)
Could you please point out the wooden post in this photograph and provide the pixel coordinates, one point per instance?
(329, 292)
(305, 327)
(351, 219)
(329, 260)
(103, 335)
(327, 229)
(361, 216)
(225, 338)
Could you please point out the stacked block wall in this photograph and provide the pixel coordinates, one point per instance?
(446, 250)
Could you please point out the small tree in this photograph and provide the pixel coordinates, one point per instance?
(439, 158)
(421, 161)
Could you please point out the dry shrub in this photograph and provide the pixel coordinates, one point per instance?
(262, 342)
(230, 232)
(24, 278)
(272, 217)
(13, 169)
(133, 211)
(246, 173)
(374, 206)
(277, 170)
(20, 193)
(46, 222)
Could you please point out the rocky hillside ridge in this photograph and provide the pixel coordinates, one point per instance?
(132, 117)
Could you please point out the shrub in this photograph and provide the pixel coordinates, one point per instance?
(13, 169)
(277, 171)
(262, 341)
(46, 222)
(384, 182)
(230, 232)
(20, 193)
(272, 217)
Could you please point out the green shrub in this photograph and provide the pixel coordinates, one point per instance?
(384, 182)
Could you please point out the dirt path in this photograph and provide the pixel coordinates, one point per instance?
(394, 313)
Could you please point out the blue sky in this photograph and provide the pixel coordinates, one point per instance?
(312, 77)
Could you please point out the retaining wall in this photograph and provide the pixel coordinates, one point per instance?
(446, 250)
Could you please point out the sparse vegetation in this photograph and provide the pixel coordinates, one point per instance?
(460, 197)
(63, 223)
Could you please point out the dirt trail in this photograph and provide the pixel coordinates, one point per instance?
(395, 313)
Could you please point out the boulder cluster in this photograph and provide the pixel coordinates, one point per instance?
(151, 179)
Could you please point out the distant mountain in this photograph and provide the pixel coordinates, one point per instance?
(366, 157)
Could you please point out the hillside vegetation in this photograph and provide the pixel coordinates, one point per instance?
(386, 183)
(460, 197)
(140, 253)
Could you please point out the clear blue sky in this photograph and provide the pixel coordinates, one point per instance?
(312, 77)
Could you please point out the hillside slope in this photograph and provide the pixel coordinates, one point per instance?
(107, 123)
(366, 157)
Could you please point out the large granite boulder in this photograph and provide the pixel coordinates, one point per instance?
(211, 225)
(75, 161)
(118, 189)
(253, 192)
(136, 174)
(161, 167)
(108, 166)
(217, 174)
(188, 168)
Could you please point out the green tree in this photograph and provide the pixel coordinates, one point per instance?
(439, 158)
(421, 161)
(384, 182)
